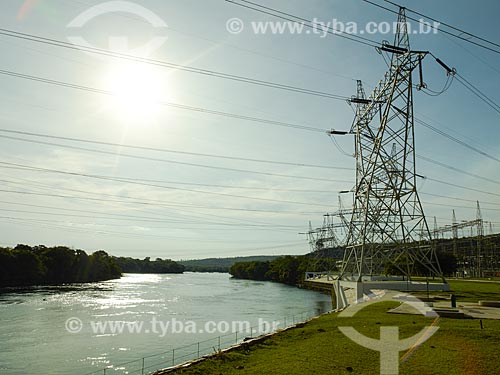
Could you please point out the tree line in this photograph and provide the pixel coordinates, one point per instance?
(288, 269)
(447, 263)
(146, 265)
(221, 264)
(24, 265)
(291, 269)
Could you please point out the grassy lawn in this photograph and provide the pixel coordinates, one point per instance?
(459, 346)
(470, 291)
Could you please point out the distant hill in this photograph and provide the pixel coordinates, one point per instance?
(221, 264)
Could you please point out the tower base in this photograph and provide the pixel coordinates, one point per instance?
(348, 292)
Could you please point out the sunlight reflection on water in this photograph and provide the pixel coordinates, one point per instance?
(34, 318)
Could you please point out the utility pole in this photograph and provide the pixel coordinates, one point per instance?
(480, 234)
(435, 232)
(454, 227)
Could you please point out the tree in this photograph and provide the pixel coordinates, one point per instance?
(287, 269)
(59, 262)
(7, 270)
(27, 268)
(103, 267)
(448, 263)
(81, 266)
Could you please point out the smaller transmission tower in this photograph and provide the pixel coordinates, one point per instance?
(326, 244)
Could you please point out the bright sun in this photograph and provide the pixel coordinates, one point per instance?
(137, 90)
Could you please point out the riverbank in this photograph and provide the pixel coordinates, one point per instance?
(460, 346)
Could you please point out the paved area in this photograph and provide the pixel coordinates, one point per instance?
(322, 280)
(468, 309)
(473, 309)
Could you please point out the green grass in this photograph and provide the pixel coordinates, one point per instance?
(459, 346)
(470, 291)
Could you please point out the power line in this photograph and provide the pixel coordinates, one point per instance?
(124, 180)
(158, 204)
(171, 161)
(108, 215)
(455, 206)
(116, 216)
(261, 161)
(474, 55)
(308, 23)
(52, 224)
(459, 199)
(41, 223)
(181, 209)
(192, 227)
(164, 103)
(462, 187)
(234, 46)
(420, 121)
(485, 98)
(456, 140)
(455, 169)
(163, 150)
(197, 228)
(277, 123)
(259, 188)
(239, 47)
(447, 25)
(434, 27)
(134, 181)
(232, 115)
(467, 138)
(206, 72)
(428, 178)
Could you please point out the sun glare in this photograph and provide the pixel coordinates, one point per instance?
(137, 90)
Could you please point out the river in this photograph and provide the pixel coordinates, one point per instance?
(81, 328)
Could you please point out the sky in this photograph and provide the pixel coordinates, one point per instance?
(220, 186)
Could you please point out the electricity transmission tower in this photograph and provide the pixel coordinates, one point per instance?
(325, 242)
(468, 251)
(388, 228)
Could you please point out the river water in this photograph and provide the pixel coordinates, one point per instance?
(81, 328)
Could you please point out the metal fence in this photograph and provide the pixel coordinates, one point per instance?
(177, 356)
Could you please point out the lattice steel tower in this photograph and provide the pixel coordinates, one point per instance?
(388, 226)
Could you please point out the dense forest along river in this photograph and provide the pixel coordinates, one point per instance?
(81, 328)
